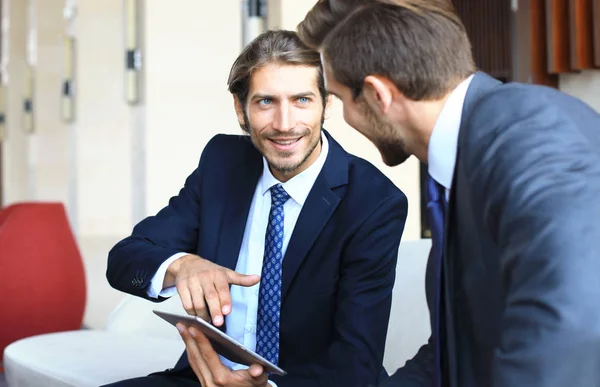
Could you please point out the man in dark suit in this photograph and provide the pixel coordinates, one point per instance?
(513, 277)
(287, 205)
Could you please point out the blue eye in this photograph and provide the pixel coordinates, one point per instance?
(303, 100)
(265, 101)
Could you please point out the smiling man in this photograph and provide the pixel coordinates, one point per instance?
(277, 238)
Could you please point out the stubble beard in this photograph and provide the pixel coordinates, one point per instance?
(282, 166)
(390, 145)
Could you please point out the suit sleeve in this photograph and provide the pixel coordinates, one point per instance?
(539, 187)
(355, 355)
(417, 372)
(174, 229)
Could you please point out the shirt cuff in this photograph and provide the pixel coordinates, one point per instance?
(156, 284)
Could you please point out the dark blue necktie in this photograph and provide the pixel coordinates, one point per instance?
(436, 210)
(269, 298)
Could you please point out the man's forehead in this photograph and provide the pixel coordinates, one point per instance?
(284, 79)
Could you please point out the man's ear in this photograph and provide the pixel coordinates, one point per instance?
(239, 111)
(378, 93)
(328, 104)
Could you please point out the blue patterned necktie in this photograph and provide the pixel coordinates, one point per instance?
(269, 299)
(436, 210)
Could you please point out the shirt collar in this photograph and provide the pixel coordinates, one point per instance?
(299, 186)
(444, 138)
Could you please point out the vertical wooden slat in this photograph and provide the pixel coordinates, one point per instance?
(557, 35)
(487, 23)
(581, 34)
(539, 46)
(596, 28)
(529, 44)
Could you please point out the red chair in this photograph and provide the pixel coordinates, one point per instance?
(42, 279)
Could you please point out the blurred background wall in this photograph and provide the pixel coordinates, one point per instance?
(113, 127)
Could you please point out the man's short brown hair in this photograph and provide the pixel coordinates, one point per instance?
(420, 45)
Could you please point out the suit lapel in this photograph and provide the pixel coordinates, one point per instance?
(318, 208)
(479, 85)
(239, 199)
(449, 283)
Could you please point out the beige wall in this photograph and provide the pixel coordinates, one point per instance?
(15, 147)
(117, 164)
(102, 127)
(149, 149)
(36, 164)
(190, 48)
(584, 85)
(49, 144)
(132, 159)
(101, 163)
(286, 14)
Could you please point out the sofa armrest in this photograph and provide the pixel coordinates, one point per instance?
(86, 358)
(134, 316)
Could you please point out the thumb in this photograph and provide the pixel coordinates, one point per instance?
(242, 279)
(255, 370)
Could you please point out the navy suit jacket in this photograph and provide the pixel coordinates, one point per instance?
(338, 270)
(522, 256)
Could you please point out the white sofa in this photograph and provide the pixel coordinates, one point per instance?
(135, 342)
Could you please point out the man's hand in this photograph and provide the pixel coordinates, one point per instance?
(204, 286)
(208, 366)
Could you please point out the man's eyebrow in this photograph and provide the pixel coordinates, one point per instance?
(262, 96)
(295, 96)
(304, 94)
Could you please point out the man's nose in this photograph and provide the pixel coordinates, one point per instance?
(283, 118)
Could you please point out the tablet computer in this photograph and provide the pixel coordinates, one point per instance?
(223, 344)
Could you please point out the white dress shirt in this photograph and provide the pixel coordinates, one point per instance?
(241, 322)
(441, 158)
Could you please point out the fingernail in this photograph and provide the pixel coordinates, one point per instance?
(218, 320)
(192, 332)
(226, 309)
(180, 328)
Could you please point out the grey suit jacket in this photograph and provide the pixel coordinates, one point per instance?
(522, 257)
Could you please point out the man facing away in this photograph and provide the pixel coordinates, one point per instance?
(305, 234)
(513, 277)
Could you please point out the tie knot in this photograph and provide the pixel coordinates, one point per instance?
(278, 195)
